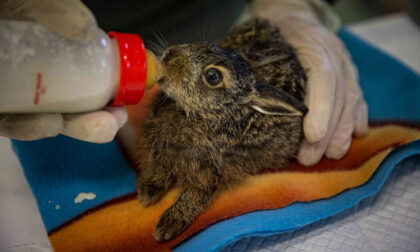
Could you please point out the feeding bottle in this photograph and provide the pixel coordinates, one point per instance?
(41, 71)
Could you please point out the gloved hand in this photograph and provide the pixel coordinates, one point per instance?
(71, 19)
(335, 101)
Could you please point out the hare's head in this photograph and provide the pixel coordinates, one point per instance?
(205, 78)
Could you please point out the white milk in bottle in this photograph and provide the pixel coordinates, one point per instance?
(41, 71)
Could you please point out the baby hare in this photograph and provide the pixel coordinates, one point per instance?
(227, 111)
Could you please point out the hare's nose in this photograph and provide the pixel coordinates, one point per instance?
(170, 53)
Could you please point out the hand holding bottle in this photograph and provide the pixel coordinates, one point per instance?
(69, 18)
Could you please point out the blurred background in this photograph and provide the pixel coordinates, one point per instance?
(189, 20)
(393, 26)
(352, 11)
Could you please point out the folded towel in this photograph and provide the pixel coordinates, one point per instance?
(85, 191)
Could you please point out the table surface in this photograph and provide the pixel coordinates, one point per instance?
(21, 226)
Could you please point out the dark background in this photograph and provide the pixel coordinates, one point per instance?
(180, 21)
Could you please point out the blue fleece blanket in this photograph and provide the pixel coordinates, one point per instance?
(59, 168)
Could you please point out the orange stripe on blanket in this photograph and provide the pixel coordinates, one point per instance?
(379, 138)
(127, 225)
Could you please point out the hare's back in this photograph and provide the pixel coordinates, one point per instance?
(268, 56)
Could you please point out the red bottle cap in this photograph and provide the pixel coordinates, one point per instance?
(132, 68)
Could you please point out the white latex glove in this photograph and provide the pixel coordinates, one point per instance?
(337, 109)
(71, 19)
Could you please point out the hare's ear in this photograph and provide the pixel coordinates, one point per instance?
(271, 101)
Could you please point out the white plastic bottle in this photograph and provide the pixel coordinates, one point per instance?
(41, 71)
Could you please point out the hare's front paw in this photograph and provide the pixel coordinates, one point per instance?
(170, 225)
(148, 194)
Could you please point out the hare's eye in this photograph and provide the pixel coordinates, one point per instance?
(213, 76)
